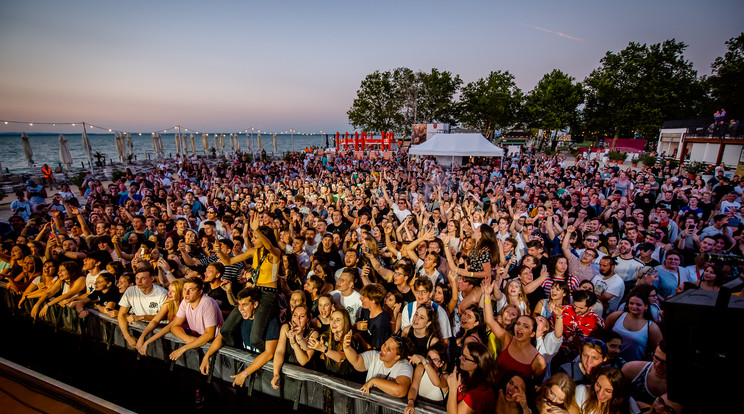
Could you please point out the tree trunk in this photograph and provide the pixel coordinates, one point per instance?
(614, 139)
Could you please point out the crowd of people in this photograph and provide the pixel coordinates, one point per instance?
(514, 287)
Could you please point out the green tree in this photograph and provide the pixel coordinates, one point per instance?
(727, 81)
(394, 100)
(554, 102)
(436, 101)
(634, 91)
(378, 104)
(490, 103)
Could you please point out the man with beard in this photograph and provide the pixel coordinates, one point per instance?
(608, 286)
(626, 262)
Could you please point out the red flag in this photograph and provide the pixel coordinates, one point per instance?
(338, 142)
(346, 141)
(356, 140)
(364, 138)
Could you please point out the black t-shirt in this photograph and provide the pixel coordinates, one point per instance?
(100, 298)
(272, 333)
(408, 297)
(378, 328)
(220, 296)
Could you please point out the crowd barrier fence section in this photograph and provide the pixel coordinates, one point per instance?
(302, 386)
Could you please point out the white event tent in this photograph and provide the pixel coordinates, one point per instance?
(450, 148)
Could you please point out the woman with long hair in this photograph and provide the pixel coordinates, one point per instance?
(515, 394)
(167, 313)
(424, 329)
(556, 395)
(608, 393)
(712, 279)
(32, 267)
(38, 286)
(291, 272)
(325, 307)
(635, 326)
(472, 329)
(297, 334)
(517, 350)
(330, 345)
(559, 297)
(472, 386)
(70, 282)
(428, 381)
(514, 295)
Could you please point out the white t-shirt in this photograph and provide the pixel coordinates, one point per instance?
(352, 303)
(376, 368)
(626, 268)
(548, 346)
(141, 304)
(613, 285)
(90, 281)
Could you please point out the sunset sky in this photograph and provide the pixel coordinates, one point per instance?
(146, 65)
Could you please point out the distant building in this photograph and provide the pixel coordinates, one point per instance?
(702, 140)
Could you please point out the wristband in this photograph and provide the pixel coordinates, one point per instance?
(487, 301)
(471, 274)
(245, 373)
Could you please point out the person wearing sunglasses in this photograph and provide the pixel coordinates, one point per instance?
(472, 386)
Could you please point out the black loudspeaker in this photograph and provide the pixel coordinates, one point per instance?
(703, 332)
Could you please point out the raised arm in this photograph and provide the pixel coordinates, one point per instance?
(497, 330)
(352, 356)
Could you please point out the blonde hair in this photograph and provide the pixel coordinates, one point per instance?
(177, 298)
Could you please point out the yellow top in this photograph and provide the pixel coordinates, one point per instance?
(268, 273)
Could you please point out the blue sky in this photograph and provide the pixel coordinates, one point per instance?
(228, 66)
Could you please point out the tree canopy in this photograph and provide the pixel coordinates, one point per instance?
(635, 90)
(490, 103)
(630, 94)
(727, 81)
(554, 102)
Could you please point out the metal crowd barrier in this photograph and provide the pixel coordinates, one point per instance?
(302, 386)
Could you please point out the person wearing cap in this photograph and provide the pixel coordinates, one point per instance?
(213, 217)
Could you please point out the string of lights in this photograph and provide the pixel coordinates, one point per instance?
(174, 128)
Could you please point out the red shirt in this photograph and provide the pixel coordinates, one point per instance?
(481, 399)
(577, 327)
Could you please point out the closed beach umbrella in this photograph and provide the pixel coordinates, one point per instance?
(86, 147)
(247, 141)
(27, 151)
(155, 145)
(222, 143)
(237, 142)
(205, 142)
(193, 144)
(258, 140)
(120, 146)
(130, 144)
(161, 153)
(184, 144)
(232, 142)
(64, 153)
(216, 143)
(178, 143)
(275, 151)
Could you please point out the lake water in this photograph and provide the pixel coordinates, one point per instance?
(46, 147)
